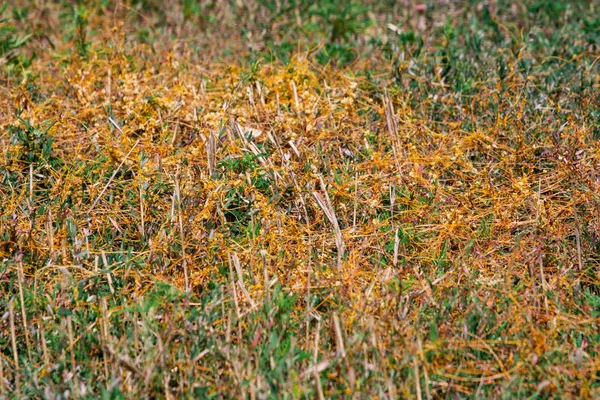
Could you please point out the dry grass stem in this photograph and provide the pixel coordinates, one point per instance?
(21, 280)
(13, 340)
(113, 175)
(327, 208)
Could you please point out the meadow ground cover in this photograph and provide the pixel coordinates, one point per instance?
(297, 199)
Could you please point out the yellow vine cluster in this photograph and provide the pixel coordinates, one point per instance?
(302, 176)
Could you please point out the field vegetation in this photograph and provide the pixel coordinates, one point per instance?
(300, 199)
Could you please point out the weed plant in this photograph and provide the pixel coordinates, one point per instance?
(294, 199)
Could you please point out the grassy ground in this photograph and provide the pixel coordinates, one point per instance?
(294, 200)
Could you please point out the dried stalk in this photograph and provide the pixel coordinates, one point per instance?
(13, 339)
(23, 309)
(327, 208)
(114, 173)
(339, 339)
